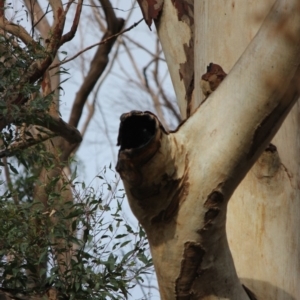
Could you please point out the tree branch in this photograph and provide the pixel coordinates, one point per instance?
(98, 64)
(103, 41)
(69, 36)
(26, 143)
(59, 127)
(55, 124)
(19, 32)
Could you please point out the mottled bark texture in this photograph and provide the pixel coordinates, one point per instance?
(179, 183)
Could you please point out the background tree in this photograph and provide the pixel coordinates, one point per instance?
(64, 225)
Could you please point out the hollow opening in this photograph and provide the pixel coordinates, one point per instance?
(136, 131)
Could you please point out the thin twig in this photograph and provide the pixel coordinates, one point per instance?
(68, 5)
(97, 44)
(133, 62)
(41, 18)
(140, 46)
(69, 36)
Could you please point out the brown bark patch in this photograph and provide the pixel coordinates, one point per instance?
(192, 258)
(212, 78)
(214, 204)
(210, 215)
(214, 199)
(267, 128)
(181, 187)
(185, 10)
(150, 9)
(144, 193)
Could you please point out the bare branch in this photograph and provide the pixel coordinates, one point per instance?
(52, 41)
(40, 22)
(91, 107)
(60, 127)
(98, 64)
(69, 5)
(69, 36)
(140, 46)
(109, 13)
(18, 31)
(103, 41)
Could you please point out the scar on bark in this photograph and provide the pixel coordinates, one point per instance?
(194, 252)
(213, 204)
(181, 187)
(192, 259)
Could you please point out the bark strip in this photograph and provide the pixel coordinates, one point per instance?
(185, 11)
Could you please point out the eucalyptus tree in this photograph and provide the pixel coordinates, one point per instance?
(179, 183)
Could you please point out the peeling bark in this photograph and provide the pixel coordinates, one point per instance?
(212, 78)
(185, 11)
(176, 37)
(192, 258)
(150, 9)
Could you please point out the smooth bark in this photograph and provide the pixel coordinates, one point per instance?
(178, 184)
(263, 214)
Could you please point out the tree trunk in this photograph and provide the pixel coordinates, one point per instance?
(178, 184)
(264, 212)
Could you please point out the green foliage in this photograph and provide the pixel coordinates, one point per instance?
(107, 256)
(21, 99)
(56, 231)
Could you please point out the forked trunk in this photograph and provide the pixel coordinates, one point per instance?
(178, 184)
